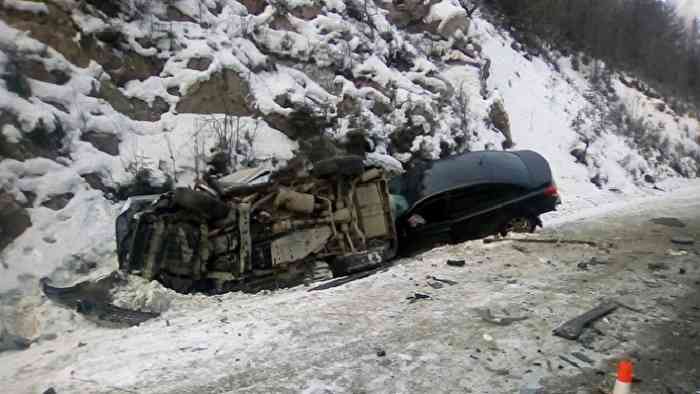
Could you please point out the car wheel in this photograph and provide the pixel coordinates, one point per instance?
(208, 206)
(519, 224)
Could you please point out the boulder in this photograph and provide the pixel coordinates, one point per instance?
(14, 219)
(174, 14)
(94, 179)
(36, 69)
(254, 6)
(224, 92)
(57, 202)
(134, 108)
(42, 141)
(199, 63)
(405, 13)
(580, 155)
(500, 120)
(446, 18)
(105, 142)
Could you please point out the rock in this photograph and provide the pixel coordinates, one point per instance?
(199, 63)
(174, 14)
(224, 92)
(408, 12)
(649, 179)
(381, 352)
(580, 155)
(14, 219)
(134, 108)
(500, 120)
(682, 240)
(50, 390)
(105, 142)
(254, 6)
(57, 201)
(12, 342)
(94, 179)
(598, 181)
(37, 70)
(42, 141)
(452, 20)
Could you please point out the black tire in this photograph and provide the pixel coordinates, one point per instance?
(524, 224)
(343, 165)
(356, 262)
(208, 206)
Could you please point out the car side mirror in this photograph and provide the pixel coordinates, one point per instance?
(416, 220)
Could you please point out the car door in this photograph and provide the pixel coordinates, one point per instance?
(474, 209)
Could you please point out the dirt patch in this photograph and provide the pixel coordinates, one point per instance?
(57, 30)
(105, 142)
(134, 108)
(36, 69)
(14, 219)
(223, 92)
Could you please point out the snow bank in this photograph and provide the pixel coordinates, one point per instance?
(26, 6)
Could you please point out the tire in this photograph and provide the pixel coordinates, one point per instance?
(343, 165)
(519, 224)
(208, 206)
(356, 262)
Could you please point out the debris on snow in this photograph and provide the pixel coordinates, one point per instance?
(573, 328)
(456, 263)
(682, 240)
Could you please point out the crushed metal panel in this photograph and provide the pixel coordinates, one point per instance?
(299, 244)
(372, 210)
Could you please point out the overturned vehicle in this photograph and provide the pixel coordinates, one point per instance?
(254, 229)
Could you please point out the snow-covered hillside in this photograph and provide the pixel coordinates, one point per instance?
(98, 95)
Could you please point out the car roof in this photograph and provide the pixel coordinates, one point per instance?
(524, 168)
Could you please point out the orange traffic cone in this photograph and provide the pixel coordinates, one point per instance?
(624, 378)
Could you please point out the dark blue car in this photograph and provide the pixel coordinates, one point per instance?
(472, 195)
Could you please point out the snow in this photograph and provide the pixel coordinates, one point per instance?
(541, 102)
(11, 134)
(26, 6)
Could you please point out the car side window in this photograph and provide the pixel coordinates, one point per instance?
(434, 210)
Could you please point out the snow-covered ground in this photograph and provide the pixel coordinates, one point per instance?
(298, 341)
(440, 93)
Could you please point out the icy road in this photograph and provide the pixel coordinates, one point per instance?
(374, 335)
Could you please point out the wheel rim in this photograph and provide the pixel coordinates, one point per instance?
(519, 225)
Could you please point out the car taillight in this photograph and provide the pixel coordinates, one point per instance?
(551, 191)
